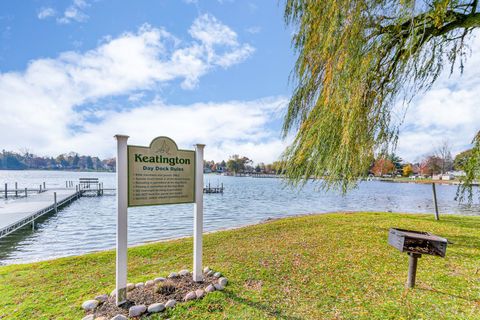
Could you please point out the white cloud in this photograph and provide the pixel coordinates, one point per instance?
(74, 12)
(233, 127)
(45, 13)
(449, 111)
(42, 104)
(213, 34)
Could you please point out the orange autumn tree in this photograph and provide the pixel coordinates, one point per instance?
(382, 167)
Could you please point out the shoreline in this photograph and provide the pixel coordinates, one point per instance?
(259, 223)
(420, 181)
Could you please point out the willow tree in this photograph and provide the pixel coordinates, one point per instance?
(359, 64)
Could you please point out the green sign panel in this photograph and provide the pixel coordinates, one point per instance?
(160, 174)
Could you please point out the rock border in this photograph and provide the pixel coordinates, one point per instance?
(139, 310)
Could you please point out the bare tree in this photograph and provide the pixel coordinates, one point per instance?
(444, 153)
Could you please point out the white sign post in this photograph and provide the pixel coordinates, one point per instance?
(156, 175)
(122, 220)
(198, 215)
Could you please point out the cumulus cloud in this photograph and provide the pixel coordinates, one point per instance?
(214, 36)
(48, 107)
(449, 111)
(232, 127)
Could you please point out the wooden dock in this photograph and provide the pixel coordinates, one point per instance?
(23, 206)
(20, 212)
(209, 189)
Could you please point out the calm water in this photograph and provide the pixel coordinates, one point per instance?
(88, 224)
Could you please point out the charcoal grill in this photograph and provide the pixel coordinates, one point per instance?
(416, 243)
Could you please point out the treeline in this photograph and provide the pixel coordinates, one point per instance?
(69, 161)
(439, 162)
(241, 164)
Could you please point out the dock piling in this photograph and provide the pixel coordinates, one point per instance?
(6, 191)
(26, 192)
(40, 189)
(44, 187)
(16, 190)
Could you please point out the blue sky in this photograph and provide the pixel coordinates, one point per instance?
(75, 72)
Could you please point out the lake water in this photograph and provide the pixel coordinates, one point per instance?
(88, 224)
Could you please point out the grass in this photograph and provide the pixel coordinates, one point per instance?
(331, 266)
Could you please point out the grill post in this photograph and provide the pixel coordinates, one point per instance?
(412, 268)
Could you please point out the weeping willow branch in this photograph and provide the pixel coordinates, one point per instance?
(357, 60)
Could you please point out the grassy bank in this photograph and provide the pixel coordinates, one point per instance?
(333, 266)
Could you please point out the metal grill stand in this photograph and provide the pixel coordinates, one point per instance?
(412, 268)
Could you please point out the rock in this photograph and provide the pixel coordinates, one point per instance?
(101, 318)
(210, 288)
(149, 283)
(140, 285)
(217, 274)
(173, 275)
(223, 281)
(199, 293)
(190, 296)
(156, 307)
(206, 269)
(159, 279)
(218, 286)
(130, 286)
(89, 317)
(136, 311)
(90, 305)
(170, 303)
(184, 272)
(119, 317)
(210, 273)
(102, 298)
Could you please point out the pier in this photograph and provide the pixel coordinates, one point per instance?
(25, 210)
(23, 206)
(210, 189)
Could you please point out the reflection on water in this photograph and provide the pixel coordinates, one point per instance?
(88, 224)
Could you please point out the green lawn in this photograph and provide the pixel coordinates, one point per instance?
(332, 266)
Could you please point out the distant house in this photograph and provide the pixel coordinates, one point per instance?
(457, 174)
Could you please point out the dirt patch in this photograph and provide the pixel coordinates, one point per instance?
(175, 288)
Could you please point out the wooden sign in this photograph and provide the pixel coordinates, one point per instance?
(160, 174)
